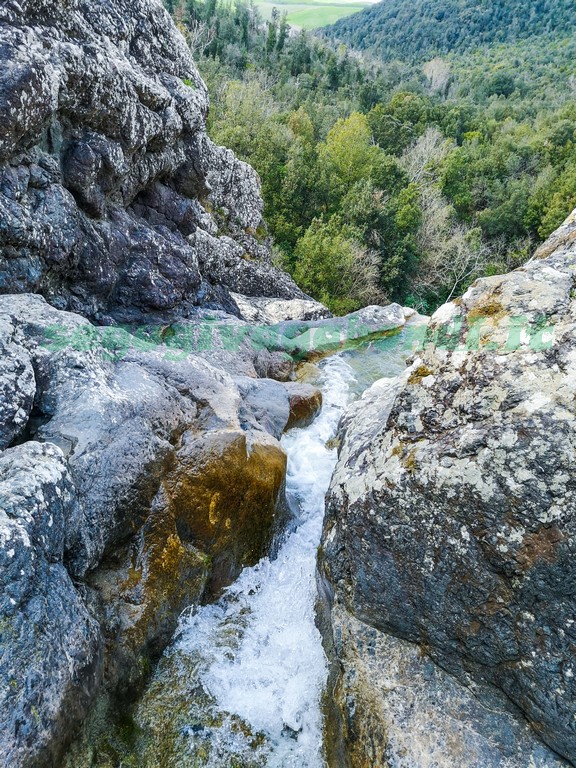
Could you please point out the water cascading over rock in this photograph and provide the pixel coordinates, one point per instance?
(140, 467)
(115, 204)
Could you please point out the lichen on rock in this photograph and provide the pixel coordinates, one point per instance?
(450, 516)
(50, 642)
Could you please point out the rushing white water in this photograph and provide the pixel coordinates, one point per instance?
(262, 653)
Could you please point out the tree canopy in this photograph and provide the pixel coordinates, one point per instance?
(419, 30)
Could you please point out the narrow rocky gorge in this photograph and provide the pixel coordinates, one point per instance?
(148, 348)
(141, 407)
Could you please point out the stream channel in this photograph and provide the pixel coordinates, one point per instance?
(252, 663)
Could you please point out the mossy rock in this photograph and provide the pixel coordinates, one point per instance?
(219, 507)
(218, 510)
(489, 309)
(420, 373)
(226, 497)
(305, 403)
(180, 726)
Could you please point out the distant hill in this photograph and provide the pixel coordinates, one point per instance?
(418, 30)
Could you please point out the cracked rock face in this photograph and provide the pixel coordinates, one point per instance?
(17, 390)
(450, 519)
(111, 194)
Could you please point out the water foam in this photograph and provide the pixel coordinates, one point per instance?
(265, 661)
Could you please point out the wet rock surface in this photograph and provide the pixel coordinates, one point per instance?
(176, 724)
(450, 519)
(305, 403)
(170, 479)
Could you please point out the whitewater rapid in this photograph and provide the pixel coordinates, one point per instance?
(262, 655)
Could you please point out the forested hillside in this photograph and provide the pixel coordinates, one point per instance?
(418, 30)
(393, 180)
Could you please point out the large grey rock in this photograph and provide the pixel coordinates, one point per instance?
(260, 309)
(145, 482)
(401, 710)
(450, 519)
(50, 645)
(106, 174)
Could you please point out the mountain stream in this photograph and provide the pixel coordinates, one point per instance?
(256, 653)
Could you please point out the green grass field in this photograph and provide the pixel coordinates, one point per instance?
(312, 14)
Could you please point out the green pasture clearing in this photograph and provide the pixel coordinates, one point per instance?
(309, 15)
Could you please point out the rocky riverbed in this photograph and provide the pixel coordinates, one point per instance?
(141, 406)
(148, 349)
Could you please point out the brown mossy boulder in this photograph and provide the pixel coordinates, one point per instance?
(225, 496)
(218, 509)
(142, 593)
(216, 512)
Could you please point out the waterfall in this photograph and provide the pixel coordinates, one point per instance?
(261, 654)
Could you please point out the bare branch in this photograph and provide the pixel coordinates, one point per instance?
(437, 72)
(198, 35)
(430, 148)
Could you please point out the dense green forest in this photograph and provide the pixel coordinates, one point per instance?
(419, 30)
(392, 180)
